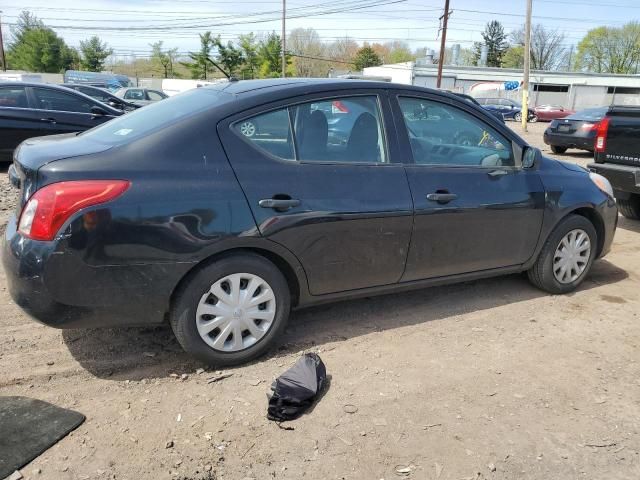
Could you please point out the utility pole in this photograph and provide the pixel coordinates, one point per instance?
(284, 39)
(444, 18)
(4, 60)
(527, 62)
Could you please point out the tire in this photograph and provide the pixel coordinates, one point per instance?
(518, 117)
(196, 297)
(630, 208)
(542, 273)
(248, 129)
(533, 119)
(557, 149)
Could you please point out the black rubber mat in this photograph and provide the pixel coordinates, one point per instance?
(28, 427)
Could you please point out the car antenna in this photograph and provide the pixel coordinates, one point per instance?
(229, 77)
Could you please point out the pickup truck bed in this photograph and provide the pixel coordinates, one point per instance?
(617, 156)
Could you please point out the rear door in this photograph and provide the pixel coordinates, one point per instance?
(64, 112)
(475, 208)
(17, 121)
(328, 191)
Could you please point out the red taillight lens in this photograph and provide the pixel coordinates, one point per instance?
(340, 107)
(601, 135)
(51, 206)
(589, 126)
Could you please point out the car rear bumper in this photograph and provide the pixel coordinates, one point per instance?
(568, 141)
(624, 179)
(54, 288)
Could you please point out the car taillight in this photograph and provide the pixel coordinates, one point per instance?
(51, 206)
(339, 107)
(601, 135)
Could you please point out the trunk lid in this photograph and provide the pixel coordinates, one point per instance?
(34, 153)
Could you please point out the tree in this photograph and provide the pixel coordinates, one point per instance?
(37, 48)
(229, 57)
(249, 47)
(399, 52)
(366, 57)
(513, 57)
(495, 40)
(94, 53)
(270, 56)
(547, 48)
(200, 66)
(610, 49)
(163, 59)
(308, 51)
(343, 51)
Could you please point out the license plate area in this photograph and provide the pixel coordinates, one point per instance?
(564, 128)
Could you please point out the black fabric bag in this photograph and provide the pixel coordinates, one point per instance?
(296, 389)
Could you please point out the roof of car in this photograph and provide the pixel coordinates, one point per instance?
(245, 86)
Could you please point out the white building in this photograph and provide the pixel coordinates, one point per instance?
(573, 90)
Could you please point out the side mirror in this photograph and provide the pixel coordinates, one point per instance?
(97, 111)
(530, 157)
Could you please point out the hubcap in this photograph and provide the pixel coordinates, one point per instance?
(248, 129)
(572, 256)
(236, 312)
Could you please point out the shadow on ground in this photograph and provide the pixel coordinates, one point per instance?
(627, 224)
(137, 353)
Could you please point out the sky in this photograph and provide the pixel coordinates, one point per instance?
(130, 26)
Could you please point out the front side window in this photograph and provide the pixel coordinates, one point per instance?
(442, 134)
(13, 97)
(337, 130)
(48, 99)
(153, 95)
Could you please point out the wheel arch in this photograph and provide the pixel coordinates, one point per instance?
(596, 220)
(284, 261)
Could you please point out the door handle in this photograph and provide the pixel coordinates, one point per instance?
(49, 120)
(497, 173)
(279, 204)
(441, 197)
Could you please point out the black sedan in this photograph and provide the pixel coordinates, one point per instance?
(172, 213)
(102, 95)
(35, 109)
(575, 131)
(509, 109)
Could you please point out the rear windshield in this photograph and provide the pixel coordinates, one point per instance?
(590, 114)
(153, 117)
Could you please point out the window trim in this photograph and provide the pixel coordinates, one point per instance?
(447, 102)
(330, 97)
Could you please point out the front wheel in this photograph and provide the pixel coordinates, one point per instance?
(630, 208)
(232, 310)
(533, 118)
(518, 117)
(557, 149)
(566, 257)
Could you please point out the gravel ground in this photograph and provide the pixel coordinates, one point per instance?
(485, 380)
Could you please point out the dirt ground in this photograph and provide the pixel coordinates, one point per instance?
(485, 380)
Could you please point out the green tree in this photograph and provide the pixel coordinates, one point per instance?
(163, 59)
(249, 47)
(513, 57)
(200, 66)
(610, 50)
(366, 57)
(36, 48)
(229, 56)
(496, 41)
(94, 53)
(270, 56)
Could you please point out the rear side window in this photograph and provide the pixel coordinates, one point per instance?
(134, 94)
(13, 97)
(338, 130)
(153, 95)
(47, 99)
(441, 134)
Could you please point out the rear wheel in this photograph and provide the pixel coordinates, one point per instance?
(533, 118)
(518, 117)
(630, 208)
(557, 149)
(248, 129)
(232, 310)
(566, 257)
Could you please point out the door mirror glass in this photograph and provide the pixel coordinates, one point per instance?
(97, 111)
(529, 157)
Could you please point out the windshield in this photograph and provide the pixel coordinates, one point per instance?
(589, 114)
(153, 117)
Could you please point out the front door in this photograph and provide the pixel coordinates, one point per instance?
(475, 209)
(318, 175)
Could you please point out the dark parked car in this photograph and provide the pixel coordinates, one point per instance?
(171, 213)
(575, 131)
(510, 109)
(470, 99)
(102, 95)
(617, 156)
(35, 109)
